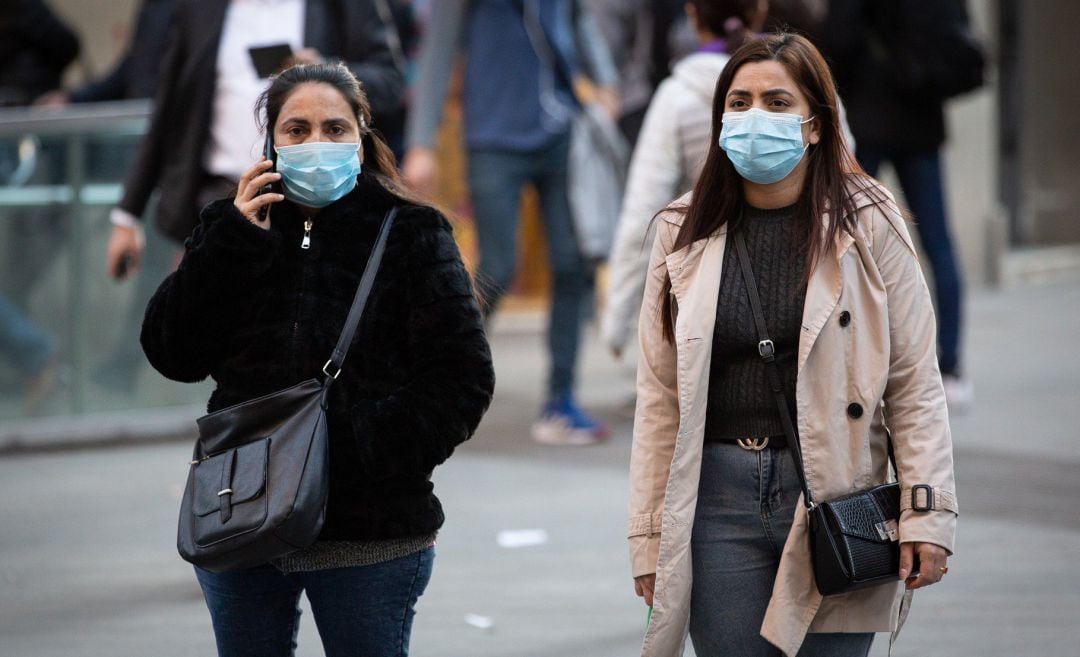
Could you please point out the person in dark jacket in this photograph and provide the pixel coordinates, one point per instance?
(867, 42)
(258, 302)
(136, 73)
(35, 48)
(195, 147)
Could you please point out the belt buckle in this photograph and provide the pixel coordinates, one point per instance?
(753, 444)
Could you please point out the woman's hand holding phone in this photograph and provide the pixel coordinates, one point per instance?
(253, 193)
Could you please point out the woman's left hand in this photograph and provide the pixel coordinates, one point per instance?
(928, 560)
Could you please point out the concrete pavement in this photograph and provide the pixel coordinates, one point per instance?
(87, 565)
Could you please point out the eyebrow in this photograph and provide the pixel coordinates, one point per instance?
(770, 92)
(303, 121)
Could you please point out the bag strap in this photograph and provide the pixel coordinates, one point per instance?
(767, 351)
(333, 366)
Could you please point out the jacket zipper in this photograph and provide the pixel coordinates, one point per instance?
(306, 242)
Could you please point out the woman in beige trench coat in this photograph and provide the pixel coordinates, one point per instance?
(718, 543)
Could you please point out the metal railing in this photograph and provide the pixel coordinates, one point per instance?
(61, 169)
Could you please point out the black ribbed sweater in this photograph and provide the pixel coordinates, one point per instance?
(740, 403)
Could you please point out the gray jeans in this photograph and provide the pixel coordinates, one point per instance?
(746, 502)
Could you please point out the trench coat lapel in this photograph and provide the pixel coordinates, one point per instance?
(822, 295)
(695, 281)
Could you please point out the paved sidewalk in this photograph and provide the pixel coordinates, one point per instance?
(87, 565)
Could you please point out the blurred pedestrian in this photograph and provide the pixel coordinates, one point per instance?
(717, 538)
(200, 138)
(671, 152)
(31, 350)
(136, 73)
(257, 303)
(891, 60)
(35, 49)
(134, 76)
(627, 29)
(522, 60)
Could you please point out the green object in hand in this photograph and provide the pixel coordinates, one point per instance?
(648, 618)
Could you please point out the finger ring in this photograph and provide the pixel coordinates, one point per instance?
(943, 569)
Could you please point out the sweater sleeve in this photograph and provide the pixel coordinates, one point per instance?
(440, 44)
(189, 318)
(450, 376)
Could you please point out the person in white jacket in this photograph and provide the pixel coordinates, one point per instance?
(671, 151)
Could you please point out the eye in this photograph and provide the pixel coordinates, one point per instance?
(295, 131)
(337, 131)
(737, 103)
(779, 103)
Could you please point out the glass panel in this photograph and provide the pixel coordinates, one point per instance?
(69, 334)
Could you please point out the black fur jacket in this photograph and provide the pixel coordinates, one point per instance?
(252, 309)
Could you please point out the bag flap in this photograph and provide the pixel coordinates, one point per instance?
(859, 516)
(241, 469)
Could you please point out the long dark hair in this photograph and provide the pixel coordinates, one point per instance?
(379, 160)
(718, 194)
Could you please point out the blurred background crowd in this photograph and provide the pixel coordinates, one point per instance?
(553, 130)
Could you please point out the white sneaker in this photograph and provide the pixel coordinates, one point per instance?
(959, 393)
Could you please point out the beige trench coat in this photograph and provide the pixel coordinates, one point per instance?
(884, 360)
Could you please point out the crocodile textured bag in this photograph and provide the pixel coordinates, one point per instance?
(854, 540)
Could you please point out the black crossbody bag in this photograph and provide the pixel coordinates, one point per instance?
(854, 540)
(258, 482)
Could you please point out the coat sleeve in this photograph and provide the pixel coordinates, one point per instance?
(653, 181)
(915, 410)
(189, 318)
(374, 63)
(438, 51)
(450, 377)
(143, 174)
(656, 417)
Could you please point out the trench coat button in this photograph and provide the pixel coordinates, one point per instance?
(845, 318)
(854, 410)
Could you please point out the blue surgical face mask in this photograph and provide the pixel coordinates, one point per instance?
(764, 146)
(319, 173)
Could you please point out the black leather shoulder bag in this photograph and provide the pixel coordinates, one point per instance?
(257, 486)
(854, 540)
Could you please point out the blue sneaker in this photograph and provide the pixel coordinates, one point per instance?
(561, 422)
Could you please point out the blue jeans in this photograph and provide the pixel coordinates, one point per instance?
(28, 347)
(365, 611)
(746, 503)
(496, 179)
(922, 180)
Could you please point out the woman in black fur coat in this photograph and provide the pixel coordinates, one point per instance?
(258, 302)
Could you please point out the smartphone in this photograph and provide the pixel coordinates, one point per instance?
(124, 266)
(268, 151)
(268, 60)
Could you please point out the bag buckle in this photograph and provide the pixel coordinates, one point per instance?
(929, 504)
(327, 373)
(766, 349)
(753, 444)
